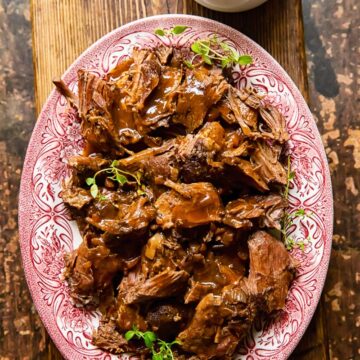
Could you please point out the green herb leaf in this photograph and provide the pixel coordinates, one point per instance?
(196, 48)
(160, 32)
(212, 50)
(115, 174)
(129, 335)
(90, 181)
(225, 62)
(153, 343)
(148, 343)
(292, 175)
(178, 29)
(205, 45)
(157, 357)
(300, 212)
(94, 190)
(288, 219)
(244, 60)
(207, 60)
(225, 46)
(188, 64)
(121, 179)
(289, 243)
(149, 338)
(102, 197)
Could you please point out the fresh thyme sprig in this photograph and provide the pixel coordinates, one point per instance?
(160, 349)
(176, 30)
(290, 176)
(288, 219)
(165, 352)
(115, 174)
(211, 50)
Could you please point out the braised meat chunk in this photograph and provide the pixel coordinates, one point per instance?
(96, 99)
(275, 122)
(91, 268)
(266, 159)
(140, 80)
(219, 323)
(166, 284)
(74, 195)
(201, 89)
(199, 336)
(182, 179)
(268, 210)
(107, 337)
(162, 104)
(84, 163)
(168, 319)
(271, 270)
(244, 114)
(188, 205)
(123, 220)
(197, 154)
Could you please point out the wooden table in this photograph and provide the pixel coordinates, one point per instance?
(63, 29)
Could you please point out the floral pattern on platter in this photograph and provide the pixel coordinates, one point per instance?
(47, 232)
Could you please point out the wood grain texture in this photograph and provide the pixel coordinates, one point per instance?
(63, 29)
(21, 332)
(332, 32)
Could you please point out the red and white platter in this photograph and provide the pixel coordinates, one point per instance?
(46, 231)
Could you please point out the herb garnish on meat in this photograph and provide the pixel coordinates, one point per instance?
(176, 30)
(288, 218)
(115, 174)
(160, 349)
(211, 50)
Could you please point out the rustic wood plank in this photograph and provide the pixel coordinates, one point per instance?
(332, 37)
(21, 332)
(62, 30)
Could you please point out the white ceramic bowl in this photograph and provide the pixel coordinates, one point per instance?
(230, 5)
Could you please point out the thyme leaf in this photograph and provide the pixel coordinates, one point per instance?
(178, 29)
(288, 218)
(175, 30)
(94, 190)
(211, 50)
(160, 349)
(159, 32)
(114, 173)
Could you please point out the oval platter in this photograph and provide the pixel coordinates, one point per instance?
(46, 231)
